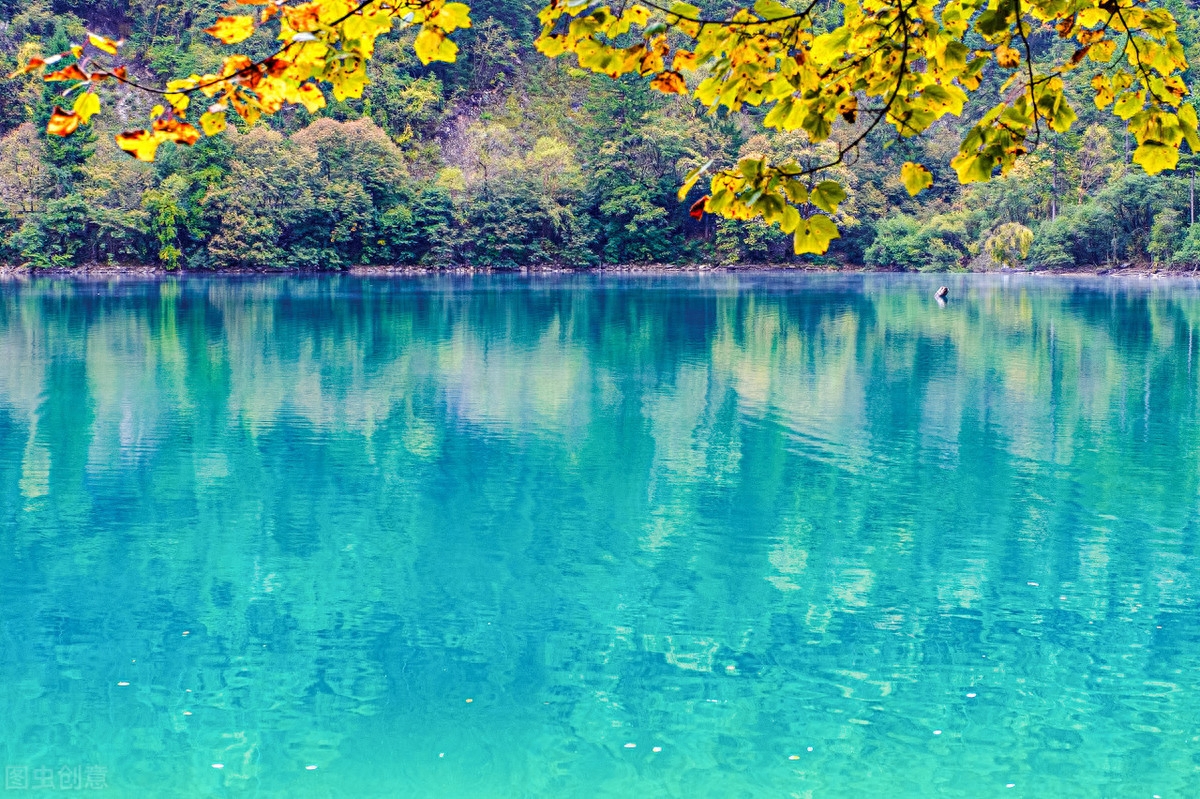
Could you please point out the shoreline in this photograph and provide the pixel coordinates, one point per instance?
(154, 271)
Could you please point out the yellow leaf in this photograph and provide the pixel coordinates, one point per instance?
(796, 191)
(1007, 57)
(349, 84)
(915, 177)
(311, 97)
(176, 98)
(683, 60)
(813, 235)
(550, 46)
(87, 105)
(452, 17)
(432, 45)
(1102, 51)
(791, 219)
(141, 144)
(1155, 156)
(61, 123)
(213, 122)
(669, 83)
(829, 47)
(304, 18)
(637, 15)
(176, 131)
(973, 168)
(826, 195)
(232, 30)
(773, 9)
(104, 43)
(691, 178)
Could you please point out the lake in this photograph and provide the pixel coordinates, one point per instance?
(724, 535)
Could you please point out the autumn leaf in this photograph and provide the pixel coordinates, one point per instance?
(61, 123)
(311, 97)
(690, 179)
(432, 45)
(683, 60)
(141, 144)
(1154, 157)
(70, 72)
(813, 235)
(1102, 52)
(104, 43)
(452, 16)
(172, 129)
(697, 210)
(669, 83)
(773, 9)
(304, 18)
(87, 105)
(916, 178)
(31, 65)
(826, 195)
(349, 84)
(232, 30)
(212, 122)
(1007, 57)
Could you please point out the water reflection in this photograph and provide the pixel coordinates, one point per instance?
(732, 517)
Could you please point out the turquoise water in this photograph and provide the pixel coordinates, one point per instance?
(707, 536)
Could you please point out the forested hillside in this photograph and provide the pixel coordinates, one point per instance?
(505, 159)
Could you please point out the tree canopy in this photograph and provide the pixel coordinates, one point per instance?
(899, 63)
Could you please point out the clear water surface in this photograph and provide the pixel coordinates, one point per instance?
(707, 536)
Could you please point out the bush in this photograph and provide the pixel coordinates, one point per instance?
(935, 245)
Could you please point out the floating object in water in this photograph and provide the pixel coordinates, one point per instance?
(122, 683)
(942, 293)
(311, 768)
(631, 745)
(656, 749)
(218, 765)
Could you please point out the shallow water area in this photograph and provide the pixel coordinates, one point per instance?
(723, 535)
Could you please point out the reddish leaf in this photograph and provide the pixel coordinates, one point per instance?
(61, 123)
(669, 83)
(72, 72)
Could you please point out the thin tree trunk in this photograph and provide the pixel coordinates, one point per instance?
(1054, 179)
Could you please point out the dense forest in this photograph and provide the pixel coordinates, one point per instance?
(505, 158)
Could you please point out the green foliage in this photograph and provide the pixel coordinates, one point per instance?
(1009, 244)
(505, 159)
(936, 245)
(54, 238)
(1188, 252)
